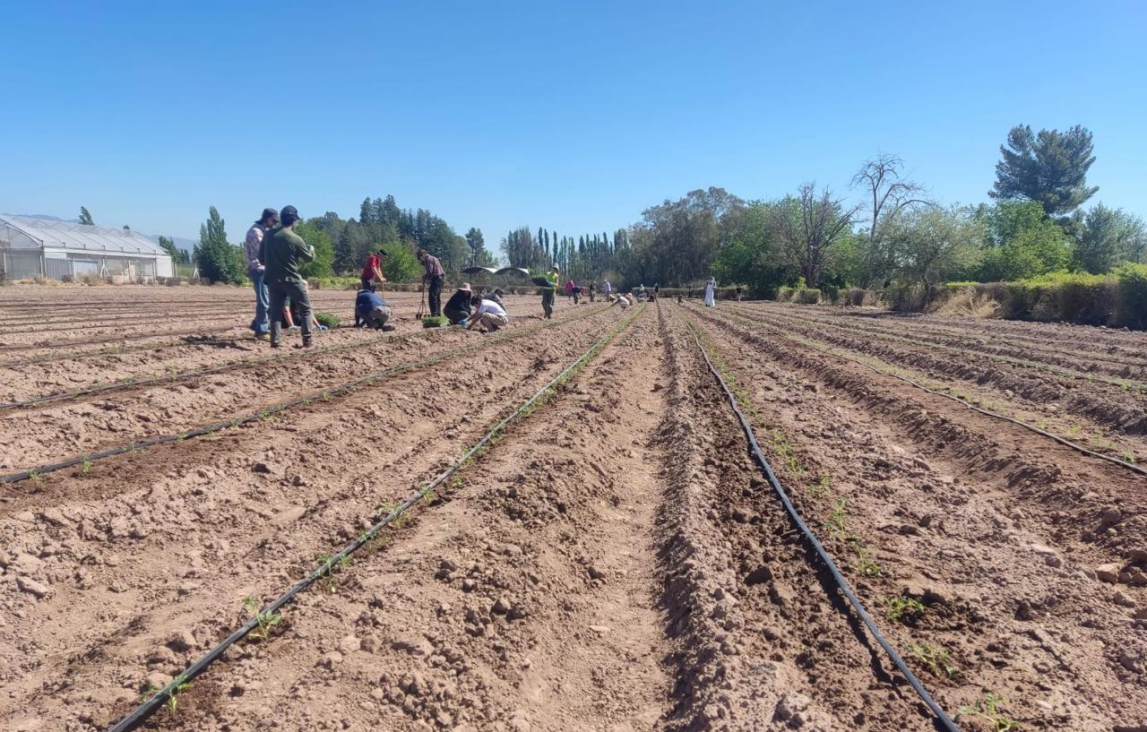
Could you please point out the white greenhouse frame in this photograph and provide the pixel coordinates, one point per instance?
(41, 248)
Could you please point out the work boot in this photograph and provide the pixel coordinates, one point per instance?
(308, 343)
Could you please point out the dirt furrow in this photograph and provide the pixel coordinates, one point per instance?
(59, 430)
(1121, 410)
(161, 563)
(988, 546)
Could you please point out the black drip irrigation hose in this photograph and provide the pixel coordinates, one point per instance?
(233, 366)
(117, 350)
(1061, 440)
(87, 460)
(821, 552)
(328, 565)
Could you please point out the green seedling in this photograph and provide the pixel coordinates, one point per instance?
(866, 562)
(86, 465)
(1128, 458)
(988, 709)
(178, 686)
(233, 423)
(328, 571)
(1073, 429)
(837, 519)
(266, 620)
(901, 608)
(822, 486)
(36, 478)
(934, 658)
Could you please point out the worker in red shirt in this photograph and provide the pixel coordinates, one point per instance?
(372, 270)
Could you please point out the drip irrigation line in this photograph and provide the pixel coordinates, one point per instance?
(822, 553)
(117, 350)
(330, 565)
(326, 394)
(1010, 360)
(1050, 435)
(233, 366)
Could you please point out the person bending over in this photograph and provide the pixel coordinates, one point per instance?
(371, 311)
(488, 314)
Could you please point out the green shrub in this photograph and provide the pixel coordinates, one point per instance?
(1131, 296)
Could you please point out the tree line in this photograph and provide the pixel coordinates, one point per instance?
(893, 231)
(342, 245)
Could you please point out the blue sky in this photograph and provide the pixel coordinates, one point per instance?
(574, 116)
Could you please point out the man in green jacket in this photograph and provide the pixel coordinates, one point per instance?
(282, 252)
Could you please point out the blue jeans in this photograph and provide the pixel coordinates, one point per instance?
(260, 324)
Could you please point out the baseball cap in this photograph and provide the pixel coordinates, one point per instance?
(290, 213)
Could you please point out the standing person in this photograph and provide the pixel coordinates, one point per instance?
(371, 311)
(740, 292)
(656, 290)
(435, 277)
(283, 252)
(487, 314)
(592, 290)
(606, 288)
(458, 306)
(261, 324)
(550, 292)
(710, 293)
(372, 270)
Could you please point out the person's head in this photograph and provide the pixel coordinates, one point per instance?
(465, 287)
(269, 218)
(420, 254)
(475, 299)
(498, 291)
(382, 253)
(290, 216)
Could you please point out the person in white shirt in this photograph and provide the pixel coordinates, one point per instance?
(606, 288)
(488, 314)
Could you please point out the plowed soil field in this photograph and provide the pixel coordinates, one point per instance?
(613, 559)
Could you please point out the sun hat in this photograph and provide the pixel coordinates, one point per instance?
(268, 213)
(465, 287)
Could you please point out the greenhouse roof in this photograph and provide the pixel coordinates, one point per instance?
(64, 235)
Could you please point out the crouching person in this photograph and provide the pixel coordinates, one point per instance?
(371, 311)
(488, 314)
(457, 309)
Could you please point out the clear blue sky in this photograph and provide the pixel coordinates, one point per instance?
(574, 116)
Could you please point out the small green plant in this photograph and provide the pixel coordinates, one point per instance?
(866, 562)
(934, 658)
(901, 608)
(266, 620)
(1128, 458)
(36, 478)
(86, 465)
(988, 709)
(328, 571)
(233, 423)
(821, 487)
(838, 519)
(177, 687)
(1073, 429)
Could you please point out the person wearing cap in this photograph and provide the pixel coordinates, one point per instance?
(549, 292)
(458, 307)
(282, 252)
(372, 270)
(496, 296)
(261, 324)
(606, 288)
(488, 314)
(435, 277)
(371, 311)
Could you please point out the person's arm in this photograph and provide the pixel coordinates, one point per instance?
(262, 255)
(254, 249)
(378, 274)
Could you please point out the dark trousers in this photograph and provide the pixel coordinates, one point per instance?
(367, 282)
(435, 295)
(457, 316)
(548, 303)
(297, 291)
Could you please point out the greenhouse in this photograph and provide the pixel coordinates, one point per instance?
(41, 248)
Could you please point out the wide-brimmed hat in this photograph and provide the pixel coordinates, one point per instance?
(465, 287)
(268, 213)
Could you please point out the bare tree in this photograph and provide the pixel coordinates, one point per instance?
(809, 226)
(882, 179)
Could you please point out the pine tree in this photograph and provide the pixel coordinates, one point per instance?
(85, 217)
